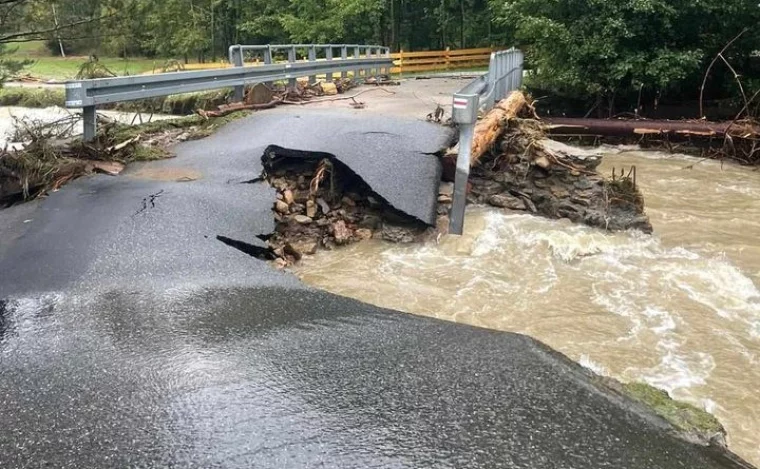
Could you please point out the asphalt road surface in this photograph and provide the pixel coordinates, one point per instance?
(131, 337)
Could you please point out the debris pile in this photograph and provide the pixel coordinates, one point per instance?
(516, 167)
(50, 157)
(321, 204)
(262, 96)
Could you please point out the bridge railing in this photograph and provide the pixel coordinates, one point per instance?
(505, 73)
(87, 94)
(310, 53)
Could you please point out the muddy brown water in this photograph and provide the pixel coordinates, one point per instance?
(679, 309)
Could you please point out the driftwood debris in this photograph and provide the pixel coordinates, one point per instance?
(491, 127)
(515, 166)
(262, 97)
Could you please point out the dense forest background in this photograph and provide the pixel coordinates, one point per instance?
(595, 51)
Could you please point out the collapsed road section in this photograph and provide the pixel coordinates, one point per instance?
(333, 194)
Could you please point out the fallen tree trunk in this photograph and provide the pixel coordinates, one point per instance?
(625, 128)
(492, 126)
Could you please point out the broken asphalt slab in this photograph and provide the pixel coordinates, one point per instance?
(131, 336)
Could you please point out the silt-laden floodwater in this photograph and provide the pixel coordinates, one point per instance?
(679, 310)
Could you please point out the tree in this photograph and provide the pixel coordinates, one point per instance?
(610, 48)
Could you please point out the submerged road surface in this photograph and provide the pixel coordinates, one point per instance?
(131, 337)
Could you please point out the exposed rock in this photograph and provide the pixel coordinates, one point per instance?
(446, 188)
(311, 209)
(444, 199)
(371, 222)
(324, 206)
(398, 235)
(281, 207)
(341, 233)
(363, 234)
(287, 195)
(305, 247)
(506, 201)
(331, 207)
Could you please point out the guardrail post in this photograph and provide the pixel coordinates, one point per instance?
(357, 55)
(466, 135)
(312, 58)
(90, 118)
(237, 56)
(464, 113)
(291, 60)
(329, 57)
(492, 80)
(401, 62)
(506, 86)
(268, 61)
(521, 64)
(367, 54)
(448, 58)
(343, 56)
(374, 53)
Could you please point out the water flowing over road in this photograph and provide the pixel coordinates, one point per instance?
(679, 309)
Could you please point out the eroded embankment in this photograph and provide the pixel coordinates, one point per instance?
(322, 203)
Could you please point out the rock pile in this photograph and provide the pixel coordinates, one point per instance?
(320, 205)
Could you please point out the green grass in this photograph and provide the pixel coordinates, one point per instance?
(681, 415)
(57, 68)
(181, 104)
(31, 97)
(197, 126)
(30, 49)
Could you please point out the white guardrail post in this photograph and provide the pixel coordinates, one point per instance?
(505, 72)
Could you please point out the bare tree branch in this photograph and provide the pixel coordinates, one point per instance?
(709, 68)
(26, 36)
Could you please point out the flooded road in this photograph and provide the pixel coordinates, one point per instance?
(679, 310)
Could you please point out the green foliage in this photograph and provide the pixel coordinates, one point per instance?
(620, 47)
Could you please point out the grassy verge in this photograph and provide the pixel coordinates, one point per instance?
(194, 126)
(31, 97)
(684, 417)
(58, 68)
(181, 104)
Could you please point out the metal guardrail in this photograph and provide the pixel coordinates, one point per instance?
(505, 73)
(88, 94)
(345, 52)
